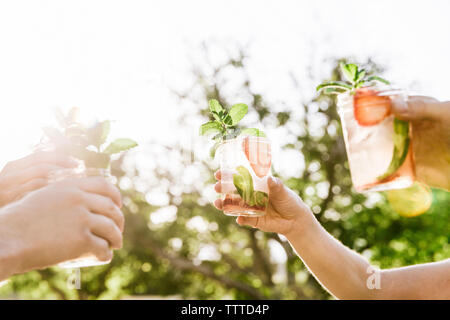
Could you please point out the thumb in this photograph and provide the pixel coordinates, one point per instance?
(277, 190)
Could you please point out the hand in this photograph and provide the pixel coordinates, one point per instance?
(22, 176)
(63, 221)
(430, 121)
(286, 212)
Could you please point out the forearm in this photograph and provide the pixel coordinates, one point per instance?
(6, 266)
(342, 271)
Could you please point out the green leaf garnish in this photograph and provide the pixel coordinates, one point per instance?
(334, 84)
(360, 75)
(244, 185)
(401, 147)
(243, 182)
(376, 78)
(225, 123)
(350, 71)
(119, 145)
(261, 198)
(253, 132)
(85, 143)
(210, 128)
(237, 112)
(356, 78)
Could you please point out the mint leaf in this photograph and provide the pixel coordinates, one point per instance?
(334, 84)
(350, 71)
(243, 182)
(360, 75)
(401, 147)
(227, 120)
(210, 128)
(119, 145)
(376, 78)
(356, 78)
(216, 109)
(237, 112)
(253, 132)
(334, 90)
(215, 106)
(261, 198)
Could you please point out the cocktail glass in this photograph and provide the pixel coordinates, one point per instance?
(370, 148)
(245, 166)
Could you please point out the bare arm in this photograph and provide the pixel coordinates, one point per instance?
(347, 275)
(342, 271)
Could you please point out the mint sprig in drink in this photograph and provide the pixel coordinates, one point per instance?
(378, 145)
(86, 143)
(245, 160)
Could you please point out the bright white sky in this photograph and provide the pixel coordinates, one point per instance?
(117, 58)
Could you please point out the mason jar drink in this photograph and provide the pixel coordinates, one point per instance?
(379, 146)
(245, 164)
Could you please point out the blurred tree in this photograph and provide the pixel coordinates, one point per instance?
(189, 249)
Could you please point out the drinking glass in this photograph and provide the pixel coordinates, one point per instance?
(370, 148)
(245, 164)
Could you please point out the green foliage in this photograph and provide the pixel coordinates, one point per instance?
(85, 142)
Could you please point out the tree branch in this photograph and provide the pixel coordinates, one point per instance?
(260, 261)
(185, 264)
(46, 275)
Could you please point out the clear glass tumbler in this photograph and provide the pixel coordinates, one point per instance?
(245, 164)
(379, 154)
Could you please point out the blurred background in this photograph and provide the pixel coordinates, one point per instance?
(151, 66)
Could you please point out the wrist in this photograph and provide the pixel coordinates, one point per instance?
(303, 223)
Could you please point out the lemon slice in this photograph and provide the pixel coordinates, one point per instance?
(412, 201)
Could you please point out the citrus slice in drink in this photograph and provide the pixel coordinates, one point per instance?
(412, 201)
(257, 151)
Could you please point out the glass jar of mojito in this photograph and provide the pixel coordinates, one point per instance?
(245, 164)
(379, 146)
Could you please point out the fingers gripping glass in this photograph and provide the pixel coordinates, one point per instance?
(87, 260)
